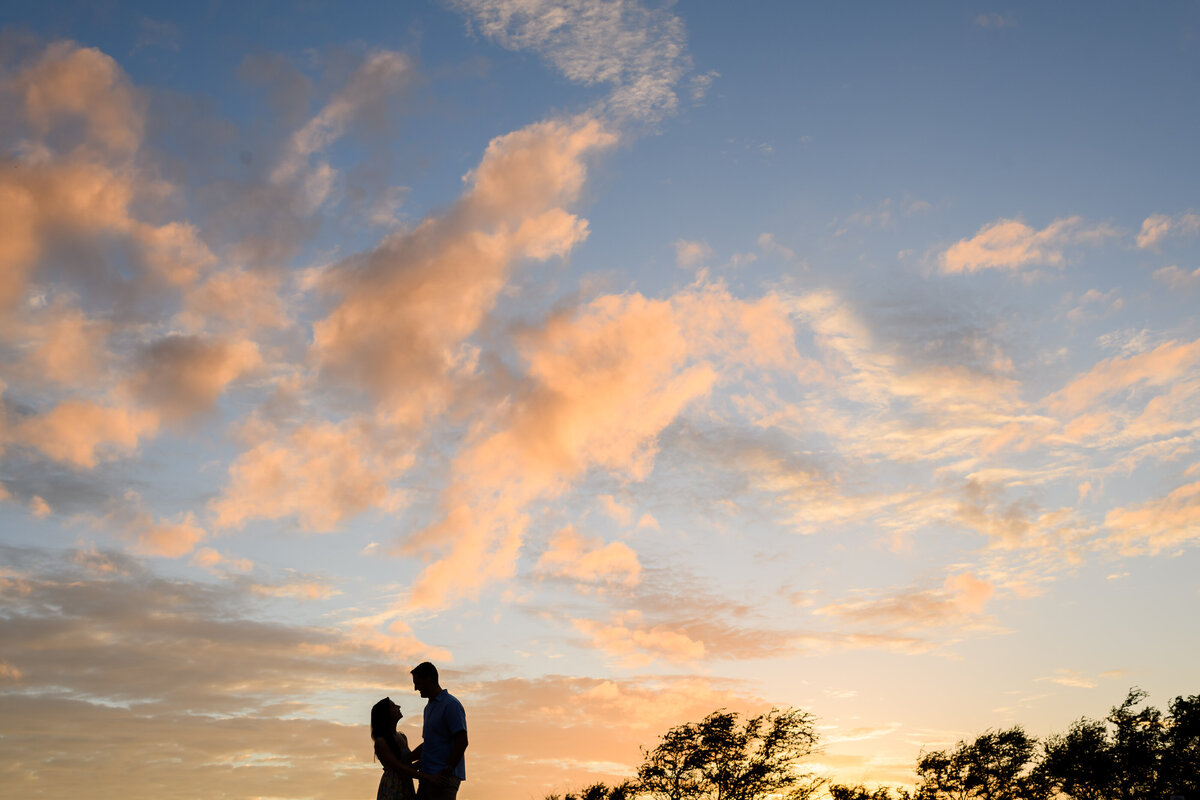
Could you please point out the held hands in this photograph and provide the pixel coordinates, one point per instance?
(437, 780)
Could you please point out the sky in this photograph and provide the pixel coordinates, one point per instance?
(627, 360)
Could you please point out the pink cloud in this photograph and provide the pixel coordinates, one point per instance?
(405, 308)
(1158, 367)
(82, 432)
(182, 376)
(604, 382)
(1157, 525)
(574, 556)
(634, 644)
(1011, 244)
(1157, 227)
(210, 559)
(320, 472)
(962, 596)
(69, 82)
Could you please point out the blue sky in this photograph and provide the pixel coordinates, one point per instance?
(627, 360)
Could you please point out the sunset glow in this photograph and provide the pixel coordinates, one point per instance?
(627, 359)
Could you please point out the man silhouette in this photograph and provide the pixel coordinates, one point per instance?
(444, 737)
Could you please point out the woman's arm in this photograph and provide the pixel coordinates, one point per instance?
(387, 757)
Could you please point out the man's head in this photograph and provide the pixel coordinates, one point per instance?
(425, 679)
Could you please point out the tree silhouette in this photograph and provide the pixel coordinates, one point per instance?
(599, 791)
(718, 759)
(1078, 763)
(1181, 759)
(1131, 755)
(671, 771)
(996, 766)
(842, 792)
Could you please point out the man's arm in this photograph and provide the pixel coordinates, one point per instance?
(389, 760)
(458, 746)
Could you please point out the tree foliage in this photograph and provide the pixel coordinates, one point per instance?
(718, 759)
(843, 792)
(998, 765)
(600, 791)
(1133, 753)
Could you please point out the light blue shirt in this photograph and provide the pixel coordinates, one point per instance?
(444, 716)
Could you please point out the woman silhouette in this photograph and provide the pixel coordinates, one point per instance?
(391, 748)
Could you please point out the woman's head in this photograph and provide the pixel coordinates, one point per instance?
(384, 716)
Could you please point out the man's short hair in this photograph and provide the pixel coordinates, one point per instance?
(425, 671)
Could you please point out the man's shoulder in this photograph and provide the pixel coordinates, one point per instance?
(450, 699)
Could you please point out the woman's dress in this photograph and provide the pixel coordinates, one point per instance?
(393, 785)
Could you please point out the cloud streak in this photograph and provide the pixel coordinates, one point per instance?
(1010, 244)
(641, 54)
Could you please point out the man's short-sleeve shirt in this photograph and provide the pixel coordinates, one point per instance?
(444, 717)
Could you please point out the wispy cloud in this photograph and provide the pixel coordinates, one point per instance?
(1177, 278)
(626, 639)
(691, 253)
(993, 19)
(640, 53)
(576, 557)
(962, 597)
(1157, 525)
(1011, 244)
(604, 380)
(381, 75)
(1157, 227)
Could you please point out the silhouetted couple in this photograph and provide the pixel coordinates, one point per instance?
(437, 762)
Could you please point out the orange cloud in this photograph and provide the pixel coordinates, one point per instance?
(77, 176)
(610, 506)
(69, 347)
(1157, 525)
(397, 640)
(962, 597)
(1070, 677)
(634, 644)
(299, 588)
(573, 556)
(406, 307)
(866, 372)
(1158, 367)
(245, 298)
(739, 335)
(969, 592)
(1178, 278)
(1011, 244)
(690, 253)
(39, 507)
(69, 82)
(37, 199)
(210, 559)
(150, 536)
(168, 539)
(603, 383)
(182, 376)
(320, 472)
(1157, 227)
(81, 432)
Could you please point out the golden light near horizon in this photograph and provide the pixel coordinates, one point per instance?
(628, 360)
